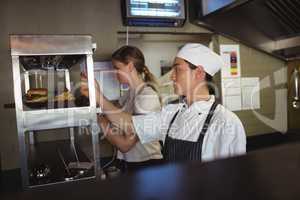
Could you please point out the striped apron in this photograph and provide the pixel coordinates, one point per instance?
(181, 150)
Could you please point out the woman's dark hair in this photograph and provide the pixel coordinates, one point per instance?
(208, 78)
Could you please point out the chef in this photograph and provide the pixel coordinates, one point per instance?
(197, 128)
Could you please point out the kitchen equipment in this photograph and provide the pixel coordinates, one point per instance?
(47, 62)
(75, 172)
(267, 25)
(53, 73)
(41, 174)
(78, 164)
(52, 63)
(113, 172)
(35, 78)
(295, 87)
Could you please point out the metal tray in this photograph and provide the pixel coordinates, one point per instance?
(44, 104)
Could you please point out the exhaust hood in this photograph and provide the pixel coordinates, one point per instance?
(269, 25)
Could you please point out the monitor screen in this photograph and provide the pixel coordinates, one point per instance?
(210, 6)
(156, 8)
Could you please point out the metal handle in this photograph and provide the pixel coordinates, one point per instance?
(296, 78)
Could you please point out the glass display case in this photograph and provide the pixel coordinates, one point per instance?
(50, 82)
(46, 73)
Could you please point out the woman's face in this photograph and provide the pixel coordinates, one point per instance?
(123, 71)
(182, 76)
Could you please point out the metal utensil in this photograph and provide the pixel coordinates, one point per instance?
(296, 81)
(296, 104)
(40, 172)
(64, 162)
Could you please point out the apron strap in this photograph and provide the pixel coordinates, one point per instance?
(206, 123)
(178, 149)
(208, 119)
(172, 120)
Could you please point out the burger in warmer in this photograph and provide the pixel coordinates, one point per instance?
(37, 95)
(65, 96)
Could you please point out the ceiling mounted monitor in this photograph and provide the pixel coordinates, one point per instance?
(160, 13)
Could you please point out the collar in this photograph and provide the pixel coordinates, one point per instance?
(201, 106)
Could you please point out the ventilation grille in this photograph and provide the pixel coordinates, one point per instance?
(287, 13)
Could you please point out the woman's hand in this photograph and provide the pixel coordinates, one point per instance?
(115, 136)
(84, 88)
(117, 117)
(105, 125)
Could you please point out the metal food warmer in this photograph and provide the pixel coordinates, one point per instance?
(46, 75)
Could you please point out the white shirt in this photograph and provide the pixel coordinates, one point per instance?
(225, 136)
(146, 101)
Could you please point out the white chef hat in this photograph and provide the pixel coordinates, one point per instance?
(198, 54)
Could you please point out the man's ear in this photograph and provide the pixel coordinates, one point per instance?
(200, 73)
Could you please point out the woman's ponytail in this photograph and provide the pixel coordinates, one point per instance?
(150, 79)
(148, 76)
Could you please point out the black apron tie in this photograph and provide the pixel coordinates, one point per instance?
(182, 150)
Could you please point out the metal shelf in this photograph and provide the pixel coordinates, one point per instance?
(56, 118)
(48, 119)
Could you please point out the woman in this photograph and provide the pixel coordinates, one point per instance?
(196, 129)
(141, 98)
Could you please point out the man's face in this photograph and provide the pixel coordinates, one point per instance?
(183, 76)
